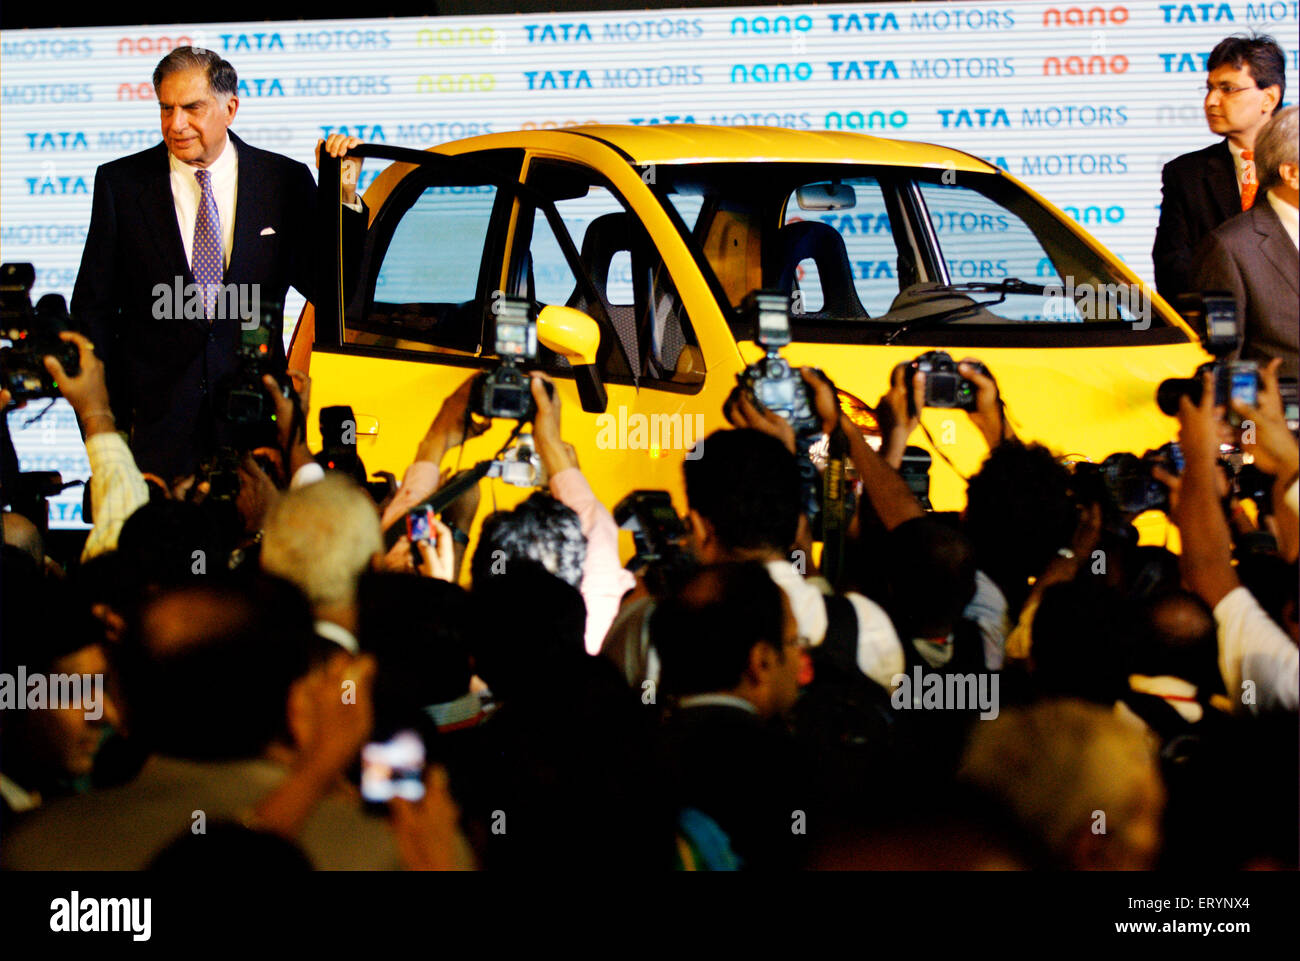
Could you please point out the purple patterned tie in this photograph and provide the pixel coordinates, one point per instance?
(206, 261)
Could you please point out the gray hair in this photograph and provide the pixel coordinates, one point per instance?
(1276, 145)
(321, 537)
(221, 75)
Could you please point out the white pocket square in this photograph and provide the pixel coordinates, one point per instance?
(267, 231)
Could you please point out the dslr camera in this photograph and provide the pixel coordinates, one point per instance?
(242, 403)
(1129, 482)
(944, 385)
(1233, 379)
(771, 383)
(33, 334)
(519, 465)
(660, 538)
(506, 392)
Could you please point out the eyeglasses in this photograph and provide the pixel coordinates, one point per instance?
(1226, 89)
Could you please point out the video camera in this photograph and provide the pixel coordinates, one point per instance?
(519, 464)
(771, 383)
(944, 385)
(33, 335)
(1233, 379)
(659, 535)
(506, 392)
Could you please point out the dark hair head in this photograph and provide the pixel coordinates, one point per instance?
(41, 619)
(209, 666)
(1178, 637)
(747, 486)
(1083, 638)
(1260, 54)
(529, 629)
(221, 75)
(226, 849)
(541, 530)
(930, 576)
(419, 631)
(705, 634)
(1018, 514)
(166, 543)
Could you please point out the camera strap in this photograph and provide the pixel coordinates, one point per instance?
(834, 496)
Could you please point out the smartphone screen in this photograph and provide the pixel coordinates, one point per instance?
(419, 525)
(1245, 382)
(393, 769)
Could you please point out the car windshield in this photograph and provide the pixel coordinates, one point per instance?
(877, 250)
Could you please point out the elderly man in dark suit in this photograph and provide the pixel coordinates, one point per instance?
(1254, 254)
(186, 238)
(1202, 189)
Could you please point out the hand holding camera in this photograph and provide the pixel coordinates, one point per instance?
(83, 385)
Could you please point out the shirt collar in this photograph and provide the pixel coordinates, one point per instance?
(219, 168)
(716, 700)
(339, 635)
(1290, 216)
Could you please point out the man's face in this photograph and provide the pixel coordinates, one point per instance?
(1241, 113)
(194, 119)
(67, 739)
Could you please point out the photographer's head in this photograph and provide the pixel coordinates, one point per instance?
(729, 631)
(542, 530)
(930, 577)
(743, 497)
(197, 98)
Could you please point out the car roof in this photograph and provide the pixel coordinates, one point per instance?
(703, 143)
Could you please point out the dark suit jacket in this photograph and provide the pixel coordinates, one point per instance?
(1199, 192)
(163, 372)
(1252, 256)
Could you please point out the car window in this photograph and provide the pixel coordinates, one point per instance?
(431, 255)
(645, 314)
(866, 236)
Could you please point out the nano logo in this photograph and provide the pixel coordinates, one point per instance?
(127, 47)
(856, 120)
(446, 37)
(760, 25)
(455, 83)
(1075, 66)
(1076, 17)
(777, 73)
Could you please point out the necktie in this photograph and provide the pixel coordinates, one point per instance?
(206, 260)
(1248, 182)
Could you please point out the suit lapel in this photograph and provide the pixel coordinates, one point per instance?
(159, 207)
(1221, 182)
(1274, 244)
(252, 195)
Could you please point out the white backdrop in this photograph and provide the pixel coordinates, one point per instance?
(1084, 103)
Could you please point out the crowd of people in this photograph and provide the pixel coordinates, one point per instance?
(1022, 685)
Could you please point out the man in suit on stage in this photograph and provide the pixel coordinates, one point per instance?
(202, 213)
(1255, 255)
(1202, 189)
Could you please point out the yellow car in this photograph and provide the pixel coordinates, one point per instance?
(637, 245)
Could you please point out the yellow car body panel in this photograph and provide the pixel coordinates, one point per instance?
(1083, 401)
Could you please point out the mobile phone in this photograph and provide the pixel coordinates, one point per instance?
(419, 527)
(1243, 385)
(393, 769)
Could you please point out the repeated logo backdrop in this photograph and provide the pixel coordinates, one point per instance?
(1084, 102)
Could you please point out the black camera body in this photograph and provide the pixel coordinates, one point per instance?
(660, 537)
(1216, 312)
(242, 401)
(944, 385)
(771, 383)
(1129, 481)
(33, 335)
(506, 392)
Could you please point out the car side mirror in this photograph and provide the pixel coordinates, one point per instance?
(575, 337)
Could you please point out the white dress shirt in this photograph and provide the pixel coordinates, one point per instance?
(186, 194)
